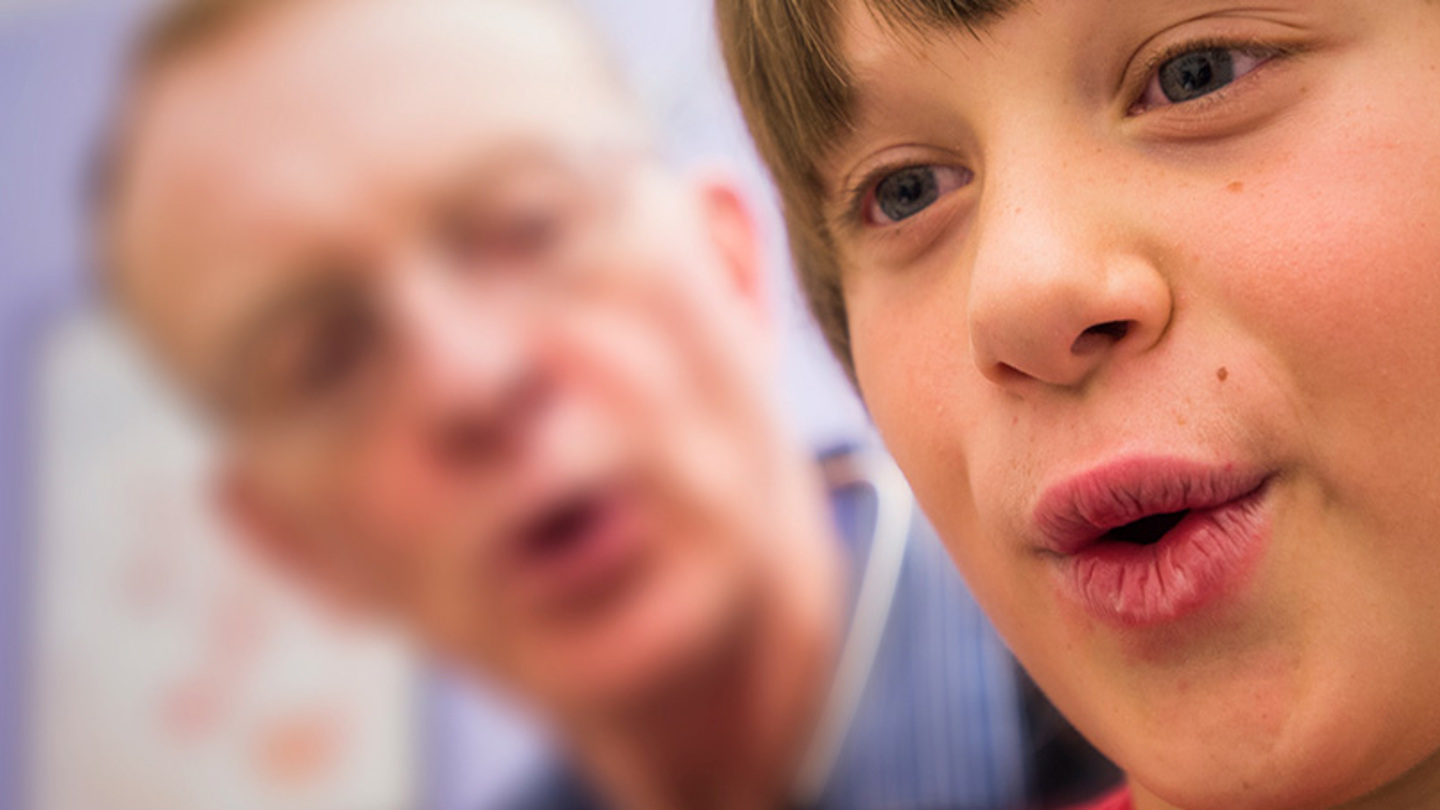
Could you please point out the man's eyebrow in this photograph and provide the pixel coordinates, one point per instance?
(526, 156)
(475, 179)
(509, 158)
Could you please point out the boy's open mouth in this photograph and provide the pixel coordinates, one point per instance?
(1146, 531)
(1142, 540)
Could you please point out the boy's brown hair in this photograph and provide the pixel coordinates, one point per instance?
(785, 61)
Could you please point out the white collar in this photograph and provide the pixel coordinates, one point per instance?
(894, 512)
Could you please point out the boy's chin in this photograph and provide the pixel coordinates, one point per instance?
(1305, 781)
(1266, 746)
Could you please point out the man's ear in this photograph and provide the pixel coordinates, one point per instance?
(733, 231)
(266, 529)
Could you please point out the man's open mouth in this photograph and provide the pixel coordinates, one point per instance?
(562, 530)
(576, 550)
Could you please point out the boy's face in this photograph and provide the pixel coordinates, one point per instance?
(482, 366)
(1114, 260)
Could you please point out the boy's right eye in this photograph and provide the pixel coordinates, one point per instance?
(904, 193)
(1199, 72)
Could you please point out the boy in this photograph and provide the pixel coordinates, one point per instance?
(1142, 296)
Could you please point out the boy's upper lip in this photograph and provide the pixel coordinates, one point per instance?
(1077, 511)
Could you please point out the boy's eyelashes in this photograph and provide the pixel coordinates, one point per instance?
(890, 194)
(1197, 69)
(1182, 74)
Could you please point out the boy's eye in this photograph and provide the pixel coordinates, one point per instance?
(1198, 73)
(905, 193)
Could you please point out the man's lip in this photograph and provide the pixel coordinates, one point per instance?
(561, 573)
(1078, 511)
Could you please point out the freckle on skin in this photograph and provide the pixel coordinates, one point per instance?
(1223, 374)
(1236, 187)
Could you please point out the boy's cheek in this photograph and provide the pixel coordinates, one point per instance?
(911, 348)
(1330, 263)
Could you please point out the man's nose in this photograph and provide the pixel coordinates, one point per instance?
(1060, 286)
(469, 377)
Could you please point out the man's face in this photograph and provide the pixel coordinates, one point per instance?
(482, 365)
(1144, 298)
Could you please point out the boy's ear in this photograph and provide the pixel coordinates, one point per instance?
(264, 528)
(733, 231)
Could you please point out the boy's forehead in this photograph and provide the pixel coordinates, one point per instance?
(866, 38)
(884, 46)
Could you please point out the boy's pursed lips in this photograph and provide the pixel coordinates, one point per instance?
(1139, 540)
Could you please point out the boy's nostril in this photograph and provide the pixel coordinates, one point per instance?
(1115, 330)
(1099, 336)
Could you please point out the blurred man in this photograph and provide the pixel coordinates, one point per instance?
(486, 368)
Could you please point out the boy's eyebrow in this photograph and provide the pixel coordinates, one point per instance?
(836, 164)
(920, 16)
(909, 24)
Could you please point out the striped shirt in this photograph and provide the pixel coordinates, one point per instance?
(940, 724)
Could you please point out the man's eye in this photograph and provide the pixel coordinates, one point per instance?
(528, 234)
(905, 193)
(1198, 73)
(515, 238)
(331, 358)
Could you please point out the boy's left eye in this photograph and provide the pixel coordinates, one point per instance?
(904, 193)
(1198, 73)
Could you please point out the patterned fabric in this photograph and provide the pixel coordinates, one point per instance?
(940, 725)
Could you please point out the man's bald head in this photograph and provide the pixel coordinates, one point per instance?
(245, 117)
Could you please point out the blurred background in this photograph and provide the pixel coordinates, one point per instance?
(143, 662)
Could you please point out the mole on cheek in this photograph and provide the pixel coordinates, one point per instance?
(1223, 374)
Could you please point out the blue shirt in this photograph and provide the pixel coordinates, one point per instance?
(940, 724)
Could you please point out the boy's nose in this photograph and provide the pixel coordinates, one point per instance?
(1057, 291)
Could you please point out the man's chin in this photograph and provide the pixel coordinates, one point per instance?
(662, 637)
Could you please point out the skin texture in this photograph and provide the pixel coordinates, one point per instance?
(1271, 250)
(493, 299)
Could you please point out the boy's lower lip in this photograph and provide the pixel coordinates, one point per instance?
(1205, 557)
